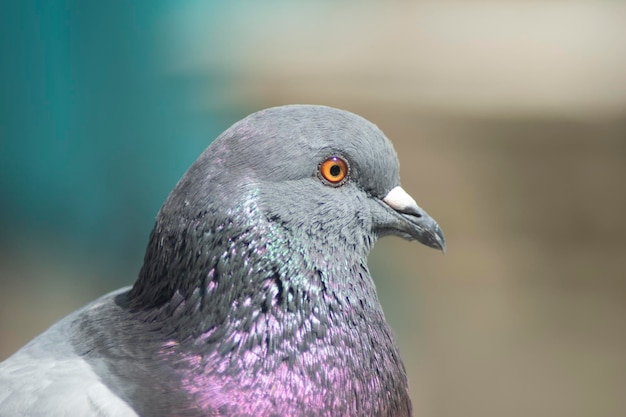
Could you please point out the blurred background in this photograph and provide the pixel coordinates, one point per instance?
(509, 118)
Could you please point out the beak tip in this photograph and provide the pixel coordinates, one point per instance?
(442, 248)
(439, 241)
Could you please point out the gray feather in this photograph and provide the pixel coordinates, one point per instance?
(48, 378)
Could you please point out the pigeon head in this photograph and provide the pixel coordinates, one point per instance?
(256, 274)
(319, 179)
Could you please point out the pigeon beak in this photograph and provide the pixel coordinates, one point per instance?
(412, 221)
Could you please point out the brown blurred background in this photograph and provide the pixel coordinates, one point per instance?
(509, 119)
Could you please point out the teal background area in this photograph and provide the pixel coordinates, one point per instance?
(94, 131)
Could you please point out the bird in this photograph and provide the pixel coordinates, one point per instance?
(254, 298)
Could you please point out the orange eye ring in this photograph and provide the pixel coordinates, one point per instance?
(334, 170)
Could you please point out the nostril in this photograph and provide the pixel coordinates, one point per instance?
(401, 202)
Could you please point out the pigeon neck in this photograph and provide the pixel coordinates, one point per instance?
(221, 268)
(253, 311)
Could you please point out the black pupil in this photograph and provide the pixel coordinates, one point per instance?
(335, 170)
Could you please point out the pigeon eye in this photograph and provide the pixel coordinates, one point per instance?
(334, 170)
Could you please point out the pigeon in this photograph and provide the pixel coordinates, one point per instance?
(254, 298)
